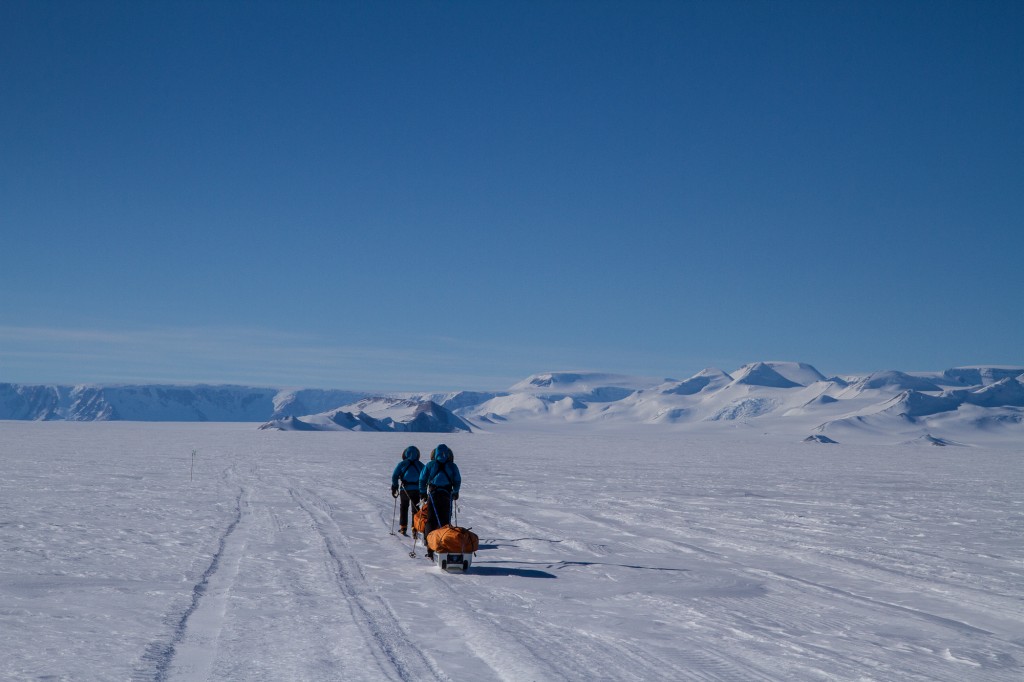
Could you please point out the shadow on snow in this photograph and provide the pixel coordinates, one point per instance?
(501, 571)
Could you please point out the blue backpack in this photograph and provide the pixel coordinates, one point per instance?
(442, 457)
(412, 461)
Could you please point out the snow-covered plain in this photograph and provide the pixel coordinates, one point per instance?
(623, 555)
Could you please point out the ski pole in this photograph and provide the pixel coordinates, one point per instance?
(415, 533)
(395, 511)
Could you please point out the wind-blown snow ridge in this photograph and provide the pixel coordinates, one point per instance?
(972, 405)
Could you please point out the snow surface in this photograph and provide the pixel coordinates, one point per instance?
(630, 555)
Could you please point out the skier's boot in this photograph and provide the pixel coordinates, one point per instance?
(401, 530)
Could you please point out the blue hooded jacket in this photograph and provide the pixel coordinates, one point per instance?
(408, 470)
(441, 471)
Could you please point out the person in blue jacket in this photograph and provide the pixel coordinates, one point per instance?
(405, 479)
(440, 481)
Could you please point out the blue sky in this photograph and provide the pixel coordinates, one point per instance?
(441, 195)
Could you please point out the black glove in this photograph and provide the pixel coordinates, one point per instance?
(394, 491)
(455, 496)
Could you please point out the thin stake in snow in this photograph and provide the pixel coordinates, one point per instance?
(193, 467)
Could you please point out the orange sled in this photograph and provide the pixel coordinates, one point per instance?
(453, 547)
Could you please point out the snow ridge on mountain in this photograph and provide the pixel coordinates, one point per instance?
(710, 379)
(778, 374)
(377, 414)
(894, 380)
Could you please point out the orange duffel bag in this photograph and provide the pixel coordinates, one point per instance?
(419, 519)
(453, 540)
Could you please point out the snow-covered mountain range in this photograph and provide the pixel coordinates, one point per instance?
(961, 405)
(164, 403)
(377, 414)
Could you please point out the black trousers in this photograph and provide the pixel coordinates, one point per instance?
(407, 496)
(440, 512)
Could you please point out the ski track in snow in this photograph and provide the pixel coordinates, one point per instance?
(397, 656)
(725, 562)
(199, 624)
(191, 652)
(195, 644)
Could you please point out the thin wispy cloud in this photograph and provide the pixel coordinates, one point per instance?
(215, 355)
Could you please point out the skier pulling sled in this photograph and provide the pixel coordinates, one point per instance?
(450, 547)
(405, 481)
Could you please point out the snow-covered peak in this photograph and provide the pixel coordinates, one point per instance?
(1003, 393)
(777, 374)
(893, 380)
(799, 373)
(913, 403)
(982, 375)
(296, 402)
(706, 380)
